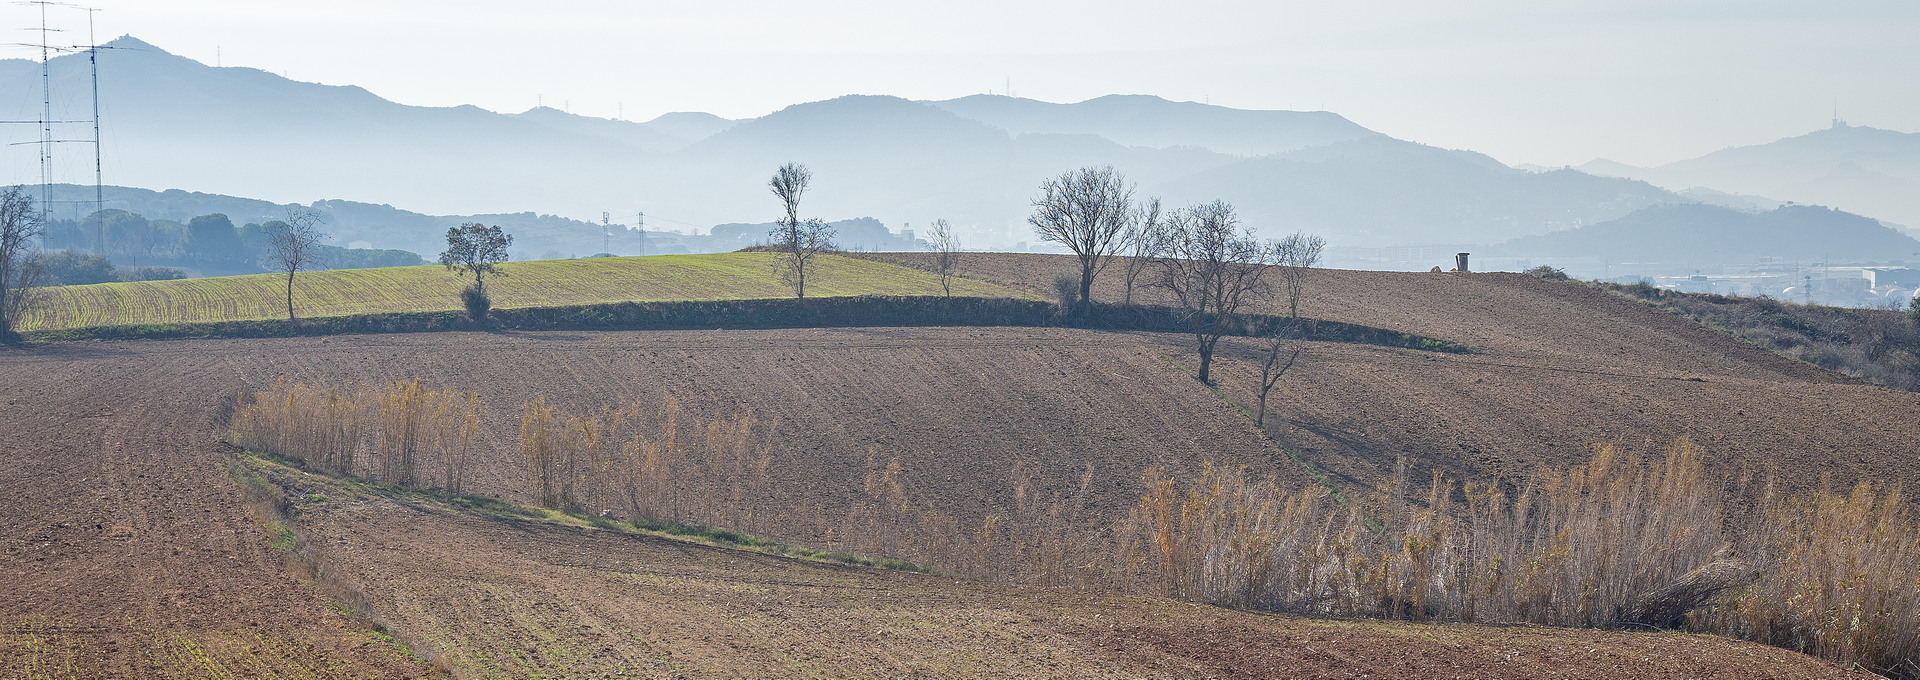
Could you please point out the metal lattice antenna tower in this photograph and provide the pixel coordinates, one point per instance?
(46, 118)
(606, 232)
(641, 222)
(93, 60)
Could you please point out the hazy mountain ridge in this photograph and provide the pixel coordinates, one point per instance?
(173, 122)
(1864, 170)
(1675, 234)
(1383, 190)
(1146, 121)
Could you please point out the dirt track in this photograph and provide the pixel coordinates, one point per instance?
(126, 550)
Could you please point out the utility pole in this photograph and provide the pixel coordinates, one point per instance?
(641, 223)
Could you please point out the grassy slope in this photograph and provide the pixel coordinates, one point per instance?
(429, 288)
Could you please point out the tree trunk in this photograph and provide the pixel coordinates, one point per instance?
(289, 296)
(1086, 286)
(1206, 363)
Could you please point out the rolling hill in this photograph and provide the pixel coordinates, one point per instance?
(430, 288)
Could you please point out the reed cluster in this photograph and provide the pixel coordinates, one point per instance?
(395, 433)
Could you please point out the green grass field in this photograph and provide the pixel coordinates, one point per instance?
(547, 283)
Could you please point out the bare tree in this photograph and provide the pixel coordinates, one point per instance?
(1282, 349)
(1143, 243)
(797, 240)
(1086, 210)
(946, 252)
(1210, 267)
(1296, 254)
(20, 225)
(294, 245)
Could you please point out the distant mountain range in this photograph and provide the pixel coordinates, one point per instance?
(1858, 169)
(175, 123)
(1676, 238)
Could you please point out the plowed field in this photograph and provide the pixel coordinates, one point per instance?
(125, 549)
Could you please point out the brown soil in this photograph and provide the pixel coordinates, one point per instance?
(126, 550)
(1558, 367)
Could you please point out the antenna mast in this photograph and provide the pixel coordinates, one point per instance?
(93, 60)
(642, 222)
(46, 120)
(606, 232)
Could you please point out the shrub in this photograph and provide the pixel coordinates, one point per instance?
(1548, 273)
(153, 274)
(477, 302)
(1066, 289)
(70, 268)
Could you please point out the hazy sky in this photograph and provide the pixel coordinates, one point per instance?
(1558, 82)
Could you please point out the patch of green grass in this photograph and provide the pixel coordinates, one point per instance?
(430, 288)
(382, 638)
(283, 541)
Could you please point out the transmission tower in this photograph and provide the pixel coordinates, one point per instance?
(606, 232)
(640, 223)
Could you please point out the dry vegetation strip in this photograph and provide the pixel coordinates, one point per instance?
(724, 276)
(1613, 542)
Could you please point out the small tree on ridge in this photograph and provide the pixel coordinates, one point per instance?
(946, 248)
(475, 248)
(293, 245)
(798, 241)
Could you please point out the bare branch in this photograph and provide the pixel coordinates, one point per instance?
(1143, 243)
(1296, 254)
(20, 227)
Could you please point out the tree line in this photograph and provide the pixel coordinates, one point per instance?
(116, 245)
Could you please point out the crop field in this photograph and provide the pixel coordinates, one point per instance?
(659, 278)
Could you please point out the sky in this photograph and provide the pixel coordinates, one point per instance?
(1548, 83)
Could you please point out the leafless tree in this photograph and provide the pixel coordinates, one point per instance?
(1282, 349)
(1296, 254)
(798, 241)
(1142, 243)
(294, 245)
(1210, 266)
(1086, 210)
(20, 226)
(946, 252)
